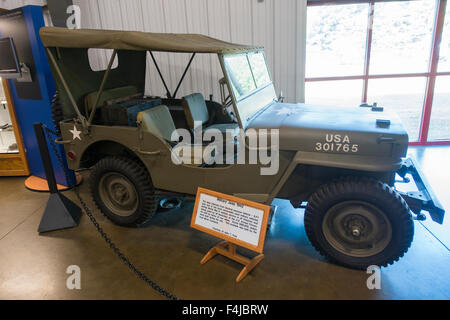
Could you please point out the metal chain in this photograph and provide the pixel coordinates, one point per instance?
(97, 226)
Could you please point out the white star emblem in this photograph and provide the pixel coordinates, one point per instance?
(283, 111)
(287, 111)
(76, 133)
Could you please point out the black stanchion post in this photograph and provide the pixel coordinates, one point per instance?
(45, 156)
(60, 212)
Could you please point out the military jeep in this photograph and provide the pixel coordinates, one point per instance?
(339, 163)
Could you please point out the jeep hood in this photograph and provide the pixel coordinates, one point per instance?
(344, 130)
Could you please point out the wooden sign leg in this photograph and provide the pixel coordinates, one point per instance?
(249, 267)
(210, 254)
(228, 250)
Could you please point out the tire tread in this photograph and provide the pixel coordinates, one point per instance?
(143, 183)
(366, 185)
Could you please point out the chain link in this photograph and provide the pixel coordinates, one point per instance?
(97, 226)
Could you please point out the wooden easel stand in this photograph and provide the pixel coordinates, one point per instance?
(228, 250)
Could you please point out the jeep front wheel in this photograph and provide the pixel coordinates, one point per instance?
(358, 222)
(123, 191)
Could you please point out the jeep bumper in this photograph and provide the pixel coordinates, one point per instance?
(424, 198)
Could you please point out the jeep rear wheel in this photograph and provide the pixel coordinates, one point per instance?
(123, 191)
(358, 222)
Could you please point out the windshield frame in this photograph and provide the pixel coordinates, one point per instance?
(249, 94)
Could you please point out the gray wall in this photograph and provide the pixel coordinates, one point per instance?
(12, 4)
(278, 25)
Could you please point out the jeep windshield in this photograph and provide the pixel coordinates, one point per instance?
(250, 83)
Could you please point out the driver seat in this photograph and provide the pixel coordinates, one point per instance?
(195, 109)
(158, 121)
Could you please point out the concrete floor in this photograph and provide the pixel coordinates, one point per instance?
(33, 266)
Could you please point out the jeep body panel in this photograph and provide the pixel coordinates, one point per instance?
(244, 180)
(343, 137)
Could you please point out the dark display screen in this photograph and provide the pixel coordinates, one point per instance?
(9, 64)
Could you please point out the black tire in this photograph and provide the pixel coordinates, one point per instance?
(119, 177)
(57, 113)
(357, 222)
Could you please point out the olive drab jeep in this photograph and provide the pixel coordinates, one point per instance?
(339, 163)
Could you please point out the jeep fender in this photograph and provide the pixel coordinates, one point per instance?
(290, 184)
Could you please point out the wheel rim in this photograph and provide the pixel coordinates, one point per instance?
(118, 194)
(357, 228)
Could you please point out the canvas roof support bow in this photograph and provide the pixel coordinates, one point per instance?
(160, 75)
(66, 88)
(184, 74)
(168, 94)
(102, 85)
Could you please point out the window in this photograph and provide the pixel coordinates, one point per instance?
(99, 59)
(337, 93)
(240, 75)
(336, 37)
(386, 52)
(246, 71)
(401, 36)
(444, 54)
(259, 68)
(404, 96)
(440, 114)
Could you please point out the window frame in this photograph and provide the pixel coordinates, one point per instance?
(430, 75)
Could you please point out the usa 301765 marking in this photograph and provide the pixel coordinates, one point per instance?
(336, 143)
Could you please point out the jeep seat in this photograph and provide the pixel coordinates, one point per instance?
(195, 109)
(159, 122)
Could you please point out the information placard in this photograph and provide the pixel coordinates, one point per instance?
(233, 219)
